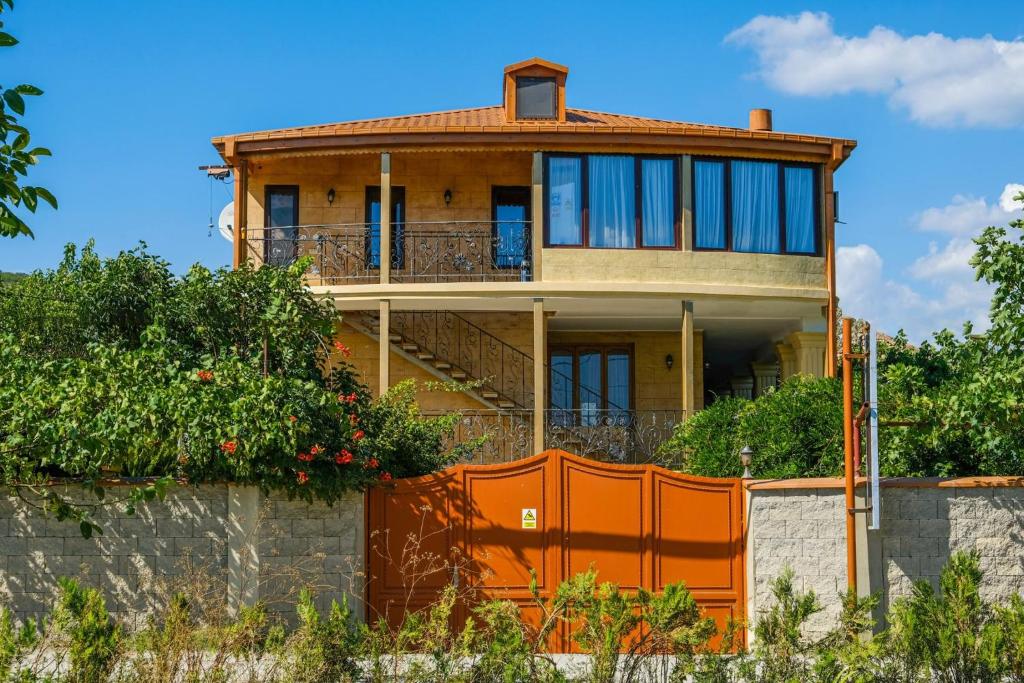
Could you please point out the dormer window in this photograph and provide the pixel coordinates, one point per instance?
(536, 97)
(534, 90)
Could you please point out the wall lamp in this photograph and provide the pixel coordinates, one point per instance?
(447, 197)
(330, 196)
(746, 457)
(669, 361)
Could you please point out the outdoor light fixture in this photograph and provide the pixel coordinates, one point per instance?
(746, 456)
(330, 196)
(669, 360)
(447, 197)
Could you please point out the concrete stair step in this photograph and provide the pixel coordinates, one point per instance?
(442, 365)
(458, 375)
(425, 355)
(488, 394)
(411, 348)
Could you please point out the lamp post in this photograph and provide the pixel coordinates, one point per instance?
(746, 456)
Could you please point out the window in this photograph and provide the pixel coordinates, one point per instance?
(281, 220)
(397, 227)
(536, 97)
(590, 384)
(511, 216)
(763, 207)
(611, 201)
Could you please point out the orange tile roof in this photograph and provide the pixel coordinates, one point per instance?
(492, 120)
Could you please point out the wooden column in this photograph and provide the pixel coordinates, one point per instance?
(686, 359)
(384, 348)
(828, 191)
(537, 216)
(385, 219)
(540, 361)
(686, 194)
(240, 250)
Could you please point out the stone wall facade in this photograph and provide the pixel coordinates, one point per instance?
(923, 522)
(223, 541)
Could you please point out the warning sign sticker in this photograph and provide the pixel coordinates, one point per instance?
(529, 518)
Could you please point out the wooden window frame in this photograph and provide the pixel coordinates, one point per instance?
(396, 192)
(554, 99)
(495, 191)
(781, 166)
(638, 219)
(267, 235)
(604, 349)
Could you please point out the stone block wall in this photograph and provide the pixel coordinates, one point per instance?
(923, 523)
(198, 538)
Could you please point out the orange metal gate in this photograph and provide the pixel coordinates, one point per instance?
(558, 514)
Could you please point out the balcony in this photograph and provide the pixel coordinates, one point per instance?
(621, 436)
(422, 252)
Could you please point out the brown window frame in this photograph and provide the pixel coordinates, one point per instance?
(604, 349)
(397, 228)
(638, 219)
(554, 99)
(526, 193)
(268, 190)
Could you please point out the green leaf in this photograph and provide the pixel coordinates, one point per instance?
(25, 89)
(7, 40)
(46, 196)
(14, 101)
(85, 528)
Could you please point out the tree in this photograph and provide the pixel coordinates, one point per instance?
(15, 154)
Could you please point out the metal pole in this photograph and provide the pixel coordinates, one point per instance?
(851, 539)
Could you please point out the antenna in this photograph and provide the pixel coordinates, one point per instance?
(226, 222)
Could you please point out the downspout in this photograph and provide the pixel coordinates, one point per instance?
(838, 156)
(848, 440)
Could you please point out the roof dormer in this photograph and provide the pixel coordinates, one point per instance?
(534, 90)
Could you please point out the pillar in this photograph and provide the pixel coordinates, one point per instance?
(384, 348)
(243, 546)
(698, 369)
(536, 216)
(540, 356)
(385, 221)
(809, 349)
(787, 360)
(239, 251)
(686, 358)
(765, 376)
(742, 386)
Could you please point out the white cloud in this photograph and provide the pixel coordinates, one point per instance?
(939, 289)
(938, 79)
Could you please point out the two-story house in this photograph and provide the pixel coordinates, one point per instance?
(595, 277)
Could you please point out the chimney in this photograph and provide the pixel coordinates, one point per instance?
(760, 119)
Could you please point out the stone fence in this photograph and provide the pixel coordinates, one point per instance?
(800, 524)
(218, 541)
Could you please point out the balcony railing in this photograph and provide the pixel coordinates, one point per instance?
(445, 251)
(622, 436)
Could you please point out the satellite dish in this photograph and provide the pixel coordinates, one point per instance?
(226, 222)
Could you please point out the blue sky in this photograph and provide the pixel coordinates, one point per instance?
(134, 91)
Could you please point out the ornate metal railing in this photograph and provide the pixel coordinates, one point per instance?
(347, 253)
(631, 436)
(500, 367)
(448, 251)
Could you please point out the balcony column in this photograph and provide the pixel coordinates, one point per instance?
(536, 216)
(384, 348)
(239, 249)
(809, 348)
(787, 360)
(686, 359)
(385, 219)
(765, 375)
(540, 364)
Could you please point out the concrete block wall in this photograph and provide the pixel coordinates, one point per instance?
(923, 523)
(196, 532)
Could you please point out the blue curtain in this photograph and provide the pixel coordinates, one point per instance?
(657, 191)
(590, 387)
(755, 207)
(709, 204)
(511, 249)
(612, 201)
(618, 383)
(565, 191)
(374, 235)
(800, 210)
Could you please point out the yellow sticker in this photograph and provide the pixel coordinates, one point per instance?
(529, 518)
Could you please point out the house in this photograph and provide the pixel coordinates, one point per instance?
(593, 277)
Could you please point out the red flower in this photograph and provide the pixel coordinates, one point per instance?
(358, 435)
(348, 398)
(316, 450)
(305, 457)
(372, 463)
(228, 447)
(204, 375)
(293, 418)
(345, 351)
(385, 476)
(353, 419)
(343, 458)
(301, 477)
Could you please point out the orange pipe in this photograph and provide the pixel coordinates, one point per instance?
(851, 537)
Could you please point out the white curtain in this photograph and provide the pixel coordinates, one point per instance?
(612, 201)
(755, 207)
(709, 204)
(800, 210)
(565, 225)
(658, 202)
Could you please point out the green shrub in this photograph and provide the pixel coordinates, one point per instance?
(321, 649)
(94, 640)
(14, 643)
(506, 648)
(795, 431)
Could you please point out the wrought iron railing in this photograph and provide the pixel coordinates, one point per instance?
(500, 368)
(446, 251)
(463, 251)
(630, 436)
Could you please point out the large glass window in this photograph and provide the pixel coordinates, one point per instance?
(536, 97)
(511, 226)
(565, 206)
(612, 201)
(591, 384)
(397, 227)
(282, 220)
(765, 207)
